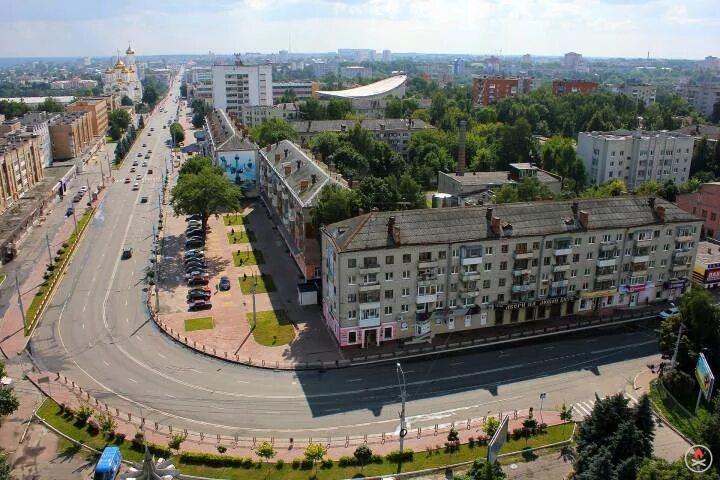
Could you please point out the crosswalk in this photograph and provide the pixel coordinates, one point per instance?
(582, 410)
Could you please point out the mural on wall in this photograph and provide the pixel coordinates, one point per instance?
(240, 167)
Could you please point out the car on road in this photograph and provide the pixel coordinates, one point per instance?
(143, 199)
(224, 283)
(144, 145)
(127, 180)
(194, 254)
(132, 169)
(164, 126)
(200, 305)
(192, 217)
(140, 153)
(669, 312)
(149, 134)
(150, 170)
(149, 152)
(135, 164)
(69, 211)
(152, 129)
(126, 253)
(77, 198)
(192, 281)
(144, 164)
(136, 186)
(138, 177)
(84, 189)
(147, 156)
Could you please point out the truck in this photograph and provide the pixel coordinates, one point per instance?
(109, 464)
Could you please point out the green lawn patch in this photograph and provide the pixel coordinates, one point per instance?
(204, 323)
(264, 284)
(2, 278)
(235, 219)
(243, 236)
(273, 328)
(688, 424)
(250, 257)
(60, 257)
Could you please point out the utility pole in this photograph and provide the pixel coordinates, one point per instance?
(673, 362)
(74, 217)
(87, 182)
(542, 397)
(20, 304)
(47, 242)
(107, 159)
(157, 273)
(102, 175)
(253, 301)
(403, 397)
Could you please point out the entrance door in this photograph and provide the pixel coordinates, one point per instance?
(633, 299)
(370, 338)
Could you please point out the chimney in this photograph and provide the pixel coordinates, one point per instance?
(313, 179)
(288, 170)
(298, 162)
(304, 184)
(584, 218)
(651, 202)
(461, 149)
(390, 225)
(660, 212)
(277, 157)
(489, 214)
(495, 225)
(393, 231)
(286, 152)
(575, 209)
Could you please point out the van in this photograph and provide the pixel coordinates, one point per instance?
(109, 464)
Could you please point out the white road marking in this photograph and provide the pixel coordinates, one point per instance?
(84, 307)
(455, 364)
(106, 363)
(134, 381)
(127, 320)
(632, 399)
(88, 293)
(548, 348)
(138, 337)
(171, 396)
(83, 325)
(161, 355)
(354, 380)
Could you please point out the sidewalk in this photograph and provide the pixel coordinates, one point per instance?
(65, 390)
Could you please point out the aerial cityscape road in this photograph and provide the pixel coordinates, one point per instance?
(97, 332)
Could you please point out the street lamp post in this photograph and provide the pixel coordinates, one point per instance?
(20, 303)
(74, 217)
(403, 397)
(254, 285)
(542, 397)
(47, 242)
(673, 362)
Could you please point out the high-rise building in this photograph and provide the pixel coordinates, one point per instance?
(97, 109)
(386, 55)
(20, 167)
(488, 89)
(640, 91)
(635, 156)
(234, 86)
(567, 87)
(702, 97)
(572, 61)
(414, 274)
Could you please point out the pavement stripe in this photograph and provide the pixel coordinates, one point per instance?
(631, 398)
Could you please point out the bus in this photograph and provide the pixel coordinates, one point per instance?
(109, 464)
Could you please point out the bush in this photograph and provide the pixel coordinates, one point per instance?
(680, 384)
(137, 441)
(296, 463)
(57, 258)
(176, 440)
(326, 463)
(482, 440)
(280, 464)
(471, 442)
(221, 449)
(93, 428)
(119, 438)
(306, 464)
(65, 244)
(60, 251)
(517, 433)
(542, 428)
(378, 459)
(215, 460)
(396, 457)
(158, 450)
(347, 461)
(84, 412)
(69, 413)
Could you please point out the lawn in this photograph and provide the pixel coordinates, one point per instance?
(2, 278)
(241, 237)
(50, 412)
(204, 323)
(60, 258)
(687, 424)
(235, 219)
(250, 257)
(273, 328)
(265, 284)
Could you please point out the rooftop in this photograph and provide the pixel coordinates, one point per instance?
(318, 126)
(378, 88)
(479, 179)
(707, 253)
(621, 133)
(515, 220)
(710, 131)
(224, 135)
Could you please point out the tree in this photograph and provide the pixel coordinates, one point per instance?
(5, 467)
(272, 130)
(204, 193)
(106, 422)
(141, 122)
(265, 451)
(482, 470)
(177, 132)
(176, 440)
(362, 454)
(8, 401)
(659, 469)
(119, 118)
(491, 426)
(51, 105)
(150, 94)
(410, 192)
(183, 89)
(126, 101)
(198, 163)
(710, 429)
(565, 413)
(325, 143)
(333, 205)
(315, 452)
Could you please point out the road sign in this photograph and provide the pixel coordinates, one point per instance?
(498, 440)
(704, 376)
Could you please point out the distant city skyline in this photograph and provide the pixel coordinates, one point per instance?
(594, 28)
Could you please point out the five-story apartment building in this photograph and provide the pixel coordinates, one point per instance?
(414, 274)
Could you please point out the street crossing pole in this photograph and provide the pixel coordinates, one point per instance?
(403, 397)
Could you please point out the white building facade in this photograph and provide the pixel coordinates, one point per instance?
(122, 78)
(701, 97)
(643, 92)
(635, 156)
(234, 86)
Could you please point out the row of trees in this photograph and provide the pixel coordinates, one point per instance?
(118, 122)
(334, 109)
(706, 159)
(200, 110)
(13, 109)
(177, 132)
(125, 144)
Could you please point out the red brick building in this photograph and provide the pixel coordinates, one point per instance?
(488, 89)
(565, 87)
(706, 205)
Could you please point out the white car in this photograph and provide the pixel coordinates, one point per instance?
(83, 188)
(668, 312)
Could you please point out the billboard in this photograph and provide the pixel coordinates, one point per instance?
(498, 440)
(704, 376)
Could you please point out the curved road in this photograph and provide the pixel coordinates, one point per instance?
(96, 331)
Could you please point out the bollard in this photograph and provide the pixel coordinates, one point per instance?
(483, 420)
(347, 441)
(142, 422)
(277, 364)
(156, 427)
(263, 363)
(202, 436)
(382, 439)
(218, 437)
(203, 347)
(185, 431)
(117, 412)
(170, 428)
(515, 414)
(129, 417)
(272, 440)
(436, 429)
(213, 351)
(419, 434)
(194, 344)
(236, 438)
(79, 387)
(185, 339)
(73, 385)
(468, 424)
(106, 408)
(365, 438)
(253, 441)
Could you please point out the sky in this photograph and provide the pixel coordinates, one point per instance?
(595, 28)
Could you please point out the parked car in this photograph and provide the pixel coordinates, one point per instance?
(84, 188)
(76, 198)
(135, 164)
(194, 258)
(150, 171)
(195, 232)
(132, 169)
(147, 156)
(669, 312)
(138, 176)
(144, 145)
(195, 263)
(69, 211)
(140, 153)
(196, 252)
(200, 289)
(149, 152)
(194, 243)
(198, 295)
(136, 186)
(224, 283)
(126, 253)
(200, 305)
(143, 199)
(193, 217)
(144, 164)
(192, 281)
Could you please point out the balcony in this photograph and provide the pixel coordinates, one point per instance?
(369, 268)
(606, 262)
(369, 286)
(682, 253)
(640, 259)
(559, 283)
(427, 298)
(427, 264)
(469, 276)
(608, 246)
(646, 242)
(521, 288)
(680, 267)
(369, 322)
(563, 251)
(524, 255)
(520, 273)
(684, 237)
(471, 261)
(561, 268)
(471, 294)
(604, 277)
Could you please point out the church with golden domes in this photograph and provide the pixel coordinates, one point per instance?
(122, 78)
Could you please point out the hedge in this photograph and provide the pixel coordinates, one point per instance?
(396, 457)
(214, 460)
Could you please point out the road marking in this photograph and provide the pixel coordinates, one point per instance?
(455, 364)
(106, 363)
(126, 302)
(138, 337)
(83, 325)
(84, 307)
(590, 340)
(171, 396)
(632, 399)
(548, 348)
(88, 293)
(355, 380)
(134, 381)
(127, 320)
(161, 355)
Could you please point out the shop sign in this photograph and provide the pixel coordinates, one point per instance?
(599, 293)
(677, 283)
(535, 303)
(712, 276)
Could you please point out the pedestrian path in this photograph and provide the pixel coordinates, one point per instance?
(582, 410)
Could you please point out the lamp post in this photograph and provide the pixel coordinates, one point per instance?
(673, 362)
(542, 397)
(254, 285)
(403, 397)
(20, 303)
(47, 242)
(74, 217)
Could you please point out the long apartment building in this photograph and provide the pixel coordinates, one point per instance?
(70, 133)
(234, 86)
(702, 97)
(635, 156)
(411, 275)
(97, 110)
(289, 182)
(21, 167)
(488, 89)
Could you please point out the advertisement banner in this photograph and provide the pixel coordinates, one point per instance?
(704, 376)
(712, 275)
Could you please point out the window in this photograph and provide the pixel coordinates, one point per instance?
(536, 245)
(501, 282)
(370, 262)
(389, 260)
(455, 252)
(546, 261)
(606, 238)
(388, 276)
(486, 283)
(578, 241)
(503, 265)
(440, 288)
(406, 274)
(485, 299)
(352, 280)
(425, 257)
(548, 244)
(663, 262)
(453, 287)
(407, 258)
(352, 314)
(576, 257)
(454, 270)
(439, 305)
(653, 248)
(587, 272)
(441, 271)
(619, 237)
(352, 297)
(489, 250)
(404, 307)
(501, 297)
(388, 294)
(369, 313)
(589, 256)
(573, 273)
(352, 263)
(452, 303)
(488, 267)
(388, 310)
(585, 285)
(442, 255)
(713, 216)
(666, 247)
(468, 321)
(405, 291)
(352, 337)
(388, 333)
(503, 249)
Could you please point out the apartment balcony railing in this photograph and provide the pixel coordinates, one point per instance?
(524, 254)
(521, 288)
(559, 283)
(369, 286)
(561, 268)
(427, 263)
(684, 237)
(646, 242)
(606, 262)
(563, 251)
(640, 258)
(608, 246)
(472, 275)
(521, 272)
(471, 261)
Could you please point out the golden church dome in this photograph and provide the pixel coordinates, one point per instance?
(119, 64)
(129, 51)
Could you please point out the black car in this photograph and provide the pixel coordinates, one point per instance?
(195, 267)
(192, 217)
(195, 236)
(194, 243)
(199, 305)
(192, 230)
(69, 211)
(198, 295)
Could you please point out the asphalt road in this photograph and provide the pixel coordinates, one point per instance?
(97, 332)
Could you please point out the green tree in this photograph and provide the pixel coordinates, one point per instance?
(482, 470)
(338, 108)
(115, 132)
(272, 130)
(126, 101)
(565, 413)
(5, 467)
(410, 192)
(333, 205)
(119, 118)
(106, 422)
(650, 187)
(530, 189)
(659, 469)
(315, 453)
(198, 163)
(363, 454)
(13, 109)
(265, 451)
(177, 132)
(183, 90)
(325, 143)
(204, 193)
(200, 111)
(491, 426)
(176, 440)
(8, 401)
(150, 94)
(710, 429)
(141, 122)
(51, 105)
